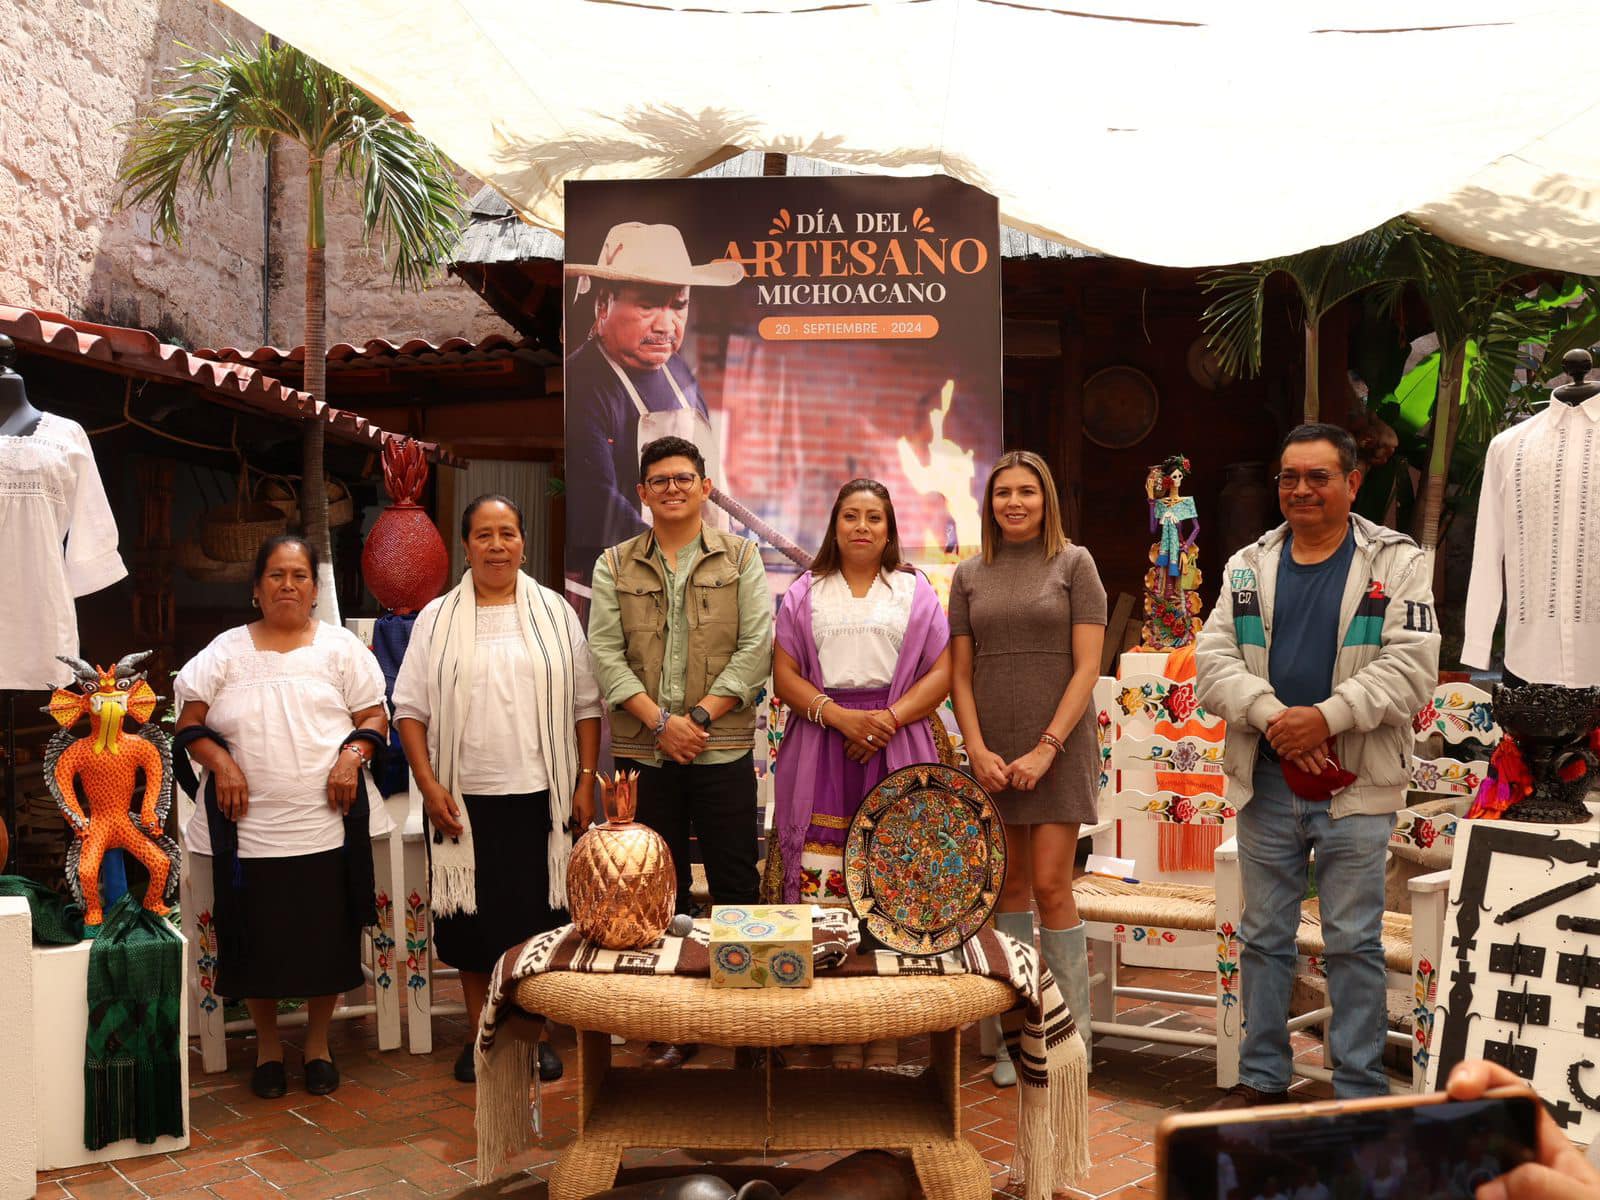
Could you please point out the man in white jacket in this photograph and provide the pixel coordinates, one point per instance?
(1321, 648)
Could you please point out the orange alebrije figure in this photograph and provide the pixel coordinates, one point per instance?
(107, 764)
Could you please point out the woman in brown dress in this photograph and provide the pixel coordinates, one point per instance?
(1027, 620)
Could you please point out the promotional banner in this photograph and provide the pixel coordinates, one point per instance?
(802, 332)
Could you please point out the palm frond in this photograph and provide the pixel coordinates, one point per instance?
(1322, 276)
(1233, 322)
(1580, 331)
(409, 194)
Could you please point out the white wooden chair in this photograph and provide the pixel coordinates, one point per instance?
(379, 953)
(1118, 912)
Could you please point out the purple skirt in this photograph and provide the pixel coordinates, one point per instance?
(824, 773)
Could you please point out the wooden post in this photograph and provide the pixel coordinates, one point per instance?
(1069, 421)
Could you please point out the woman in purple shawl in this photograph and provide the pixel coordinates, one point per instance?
(861, 658)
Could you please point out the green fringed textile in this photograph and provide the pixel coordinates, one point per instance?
(55, 921)
(132, 1075)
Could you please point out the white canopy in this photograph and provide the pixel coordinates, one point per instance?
(1179, 132)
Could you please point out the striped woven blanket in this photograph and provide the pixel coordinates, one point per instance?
(1040, 1034)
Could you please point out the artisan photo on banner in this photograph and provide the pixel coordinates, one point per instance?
(801, 332)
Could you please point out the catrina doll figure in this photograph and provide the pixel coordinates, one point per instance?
(1172, 596)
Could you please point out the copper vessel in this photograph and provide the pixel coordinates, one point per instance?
(622, 886)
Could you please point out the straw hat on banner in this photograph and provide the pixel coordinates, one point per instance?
(652, 254)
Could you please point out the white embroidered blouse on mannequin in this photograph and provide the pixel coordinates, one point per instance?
(50, 494)
(1538, 544)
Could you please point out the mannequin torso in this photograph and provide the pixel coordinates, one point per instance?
(18, 418)
(1576, 363)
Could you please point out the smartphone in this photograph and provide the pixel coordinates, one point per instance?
(1386, 1148)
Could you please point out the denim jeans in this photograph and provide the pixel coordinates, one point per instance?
(1277, 833)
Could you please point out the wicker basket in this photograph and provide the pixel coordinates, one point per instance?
(341, 507)
(199, 565)
(234, 532)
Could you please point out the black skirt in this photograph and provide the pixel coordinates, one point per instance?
(511, 865)
(299, 938)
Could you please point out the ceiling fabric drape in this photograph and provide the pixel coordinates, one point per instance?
(1177, 132)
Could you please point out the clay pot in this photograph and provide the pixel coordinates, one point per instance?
(5, 846)
(622, 886)
(404, 561)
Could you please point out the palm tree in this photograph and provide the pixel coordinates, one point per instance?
(1322, 277)
(246, 96)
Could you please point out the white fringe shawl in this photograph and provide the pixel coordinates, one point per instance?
(541, 618)
(1053, 1070)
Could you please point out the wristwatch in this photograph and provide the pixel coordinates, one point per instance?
(700, 717)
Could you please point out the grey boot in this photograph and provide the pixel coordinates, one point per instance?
(1020, 926)
(1066, 953)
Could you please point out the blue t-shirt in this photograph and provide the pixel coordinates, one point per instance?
(1305, 624)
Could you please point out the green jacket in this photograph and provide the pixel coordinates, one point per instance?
(1386, 670)
(727, 611)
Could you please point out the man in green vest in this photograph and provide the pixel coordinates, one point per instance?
(681, 632)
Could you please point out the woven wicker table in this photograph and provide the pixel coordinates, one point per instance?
(768, 1111)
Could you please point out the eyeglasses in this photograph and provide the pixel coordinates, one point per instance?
(1287, 481)
(660, 483)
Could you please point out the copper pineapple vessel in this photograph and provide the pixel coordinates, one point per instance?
(622, 886)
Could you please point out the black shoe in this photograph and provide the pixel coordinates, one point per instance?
(268, 1080)
(322, 1077)
(550, 1067)
(465, 1070)
(1242, 1095)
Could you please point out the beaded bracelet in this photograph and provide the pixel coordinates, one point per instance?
(1049, 739)
(822, 702)
(895, 717)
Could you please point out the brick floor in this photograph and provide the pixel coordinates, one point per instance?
(401, 1127)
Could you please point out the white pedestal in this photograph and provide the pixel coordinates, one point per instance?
(60, 1024)
(19, 1122)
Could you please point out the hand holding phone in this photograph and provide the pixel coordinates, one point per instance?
(1560, 1172)
(1433, 1147)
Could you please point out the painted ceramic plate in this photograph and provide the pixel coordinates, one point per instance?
(925, 859)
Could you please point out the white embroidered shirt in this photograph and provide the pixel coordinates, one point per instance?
(50, 494)
(859, 638)
(1538, 547)
(284, 716)
(500, 753)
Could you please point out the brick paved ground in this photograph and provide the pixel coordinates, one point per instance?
(400, 1126)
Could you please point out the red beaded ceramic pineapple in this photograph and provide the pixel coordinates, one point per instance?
(404, 562)
(621, 884)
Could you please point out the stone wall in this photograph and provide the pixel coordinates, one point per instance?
(71, 76)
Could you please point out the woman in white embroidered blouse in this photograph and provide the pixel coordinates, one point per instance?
(284, 694)
(498, 709)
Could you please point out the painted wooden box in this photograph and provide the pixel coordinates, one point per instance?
(761, 945)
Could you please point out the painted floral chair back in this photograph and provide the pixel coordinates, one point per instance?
(1462, 716)
(1157, 771)
(1143, 700)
